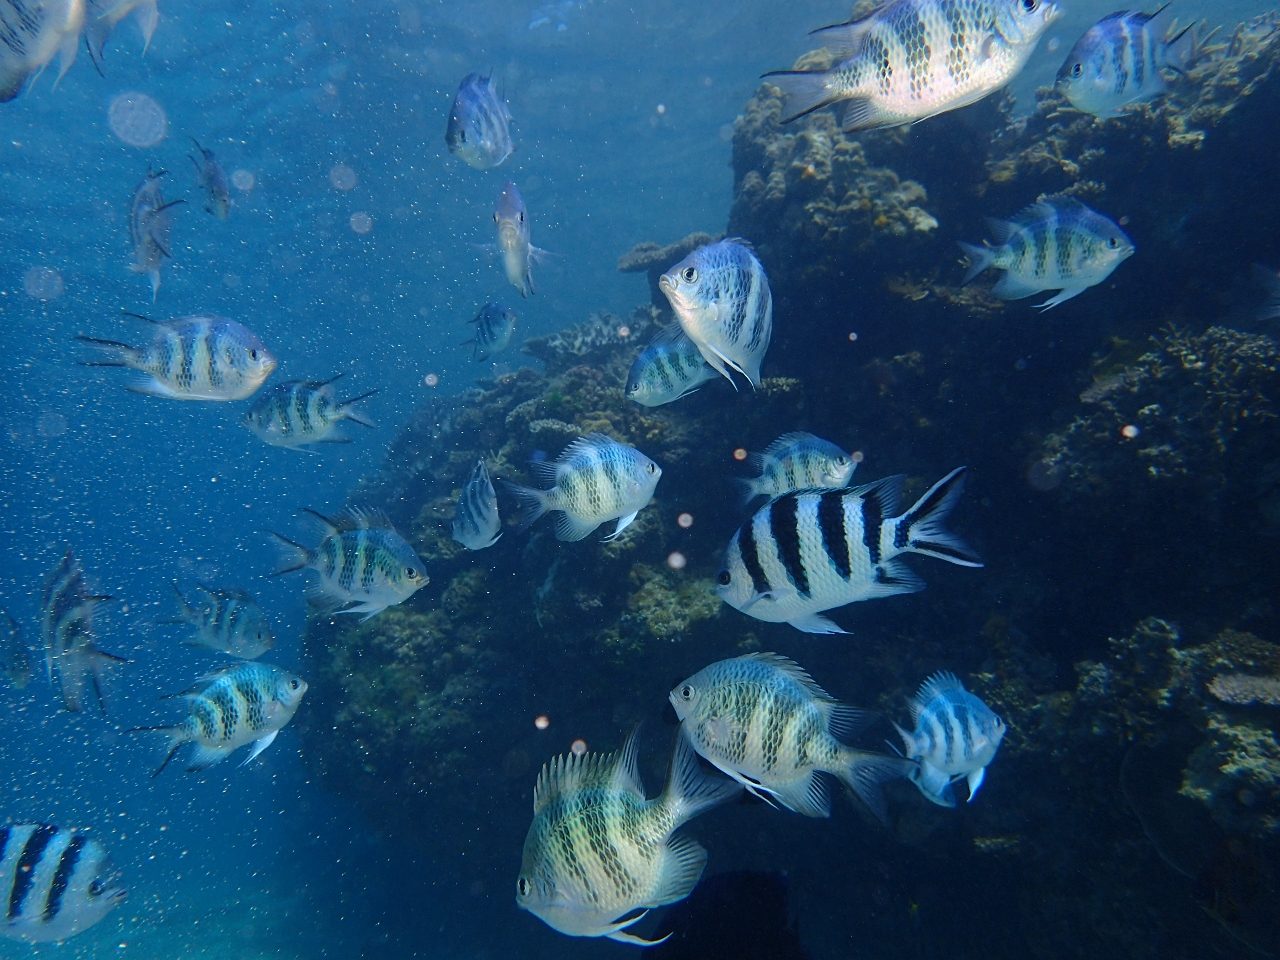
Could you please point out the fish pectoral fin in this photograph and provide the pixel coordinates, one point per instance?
(623, 523)
(259, 745)
(764, 595)
(638, 941)
(816, 623)
(1065, 294)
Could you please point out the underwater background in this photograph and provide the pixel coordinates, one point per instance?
(1134, 808)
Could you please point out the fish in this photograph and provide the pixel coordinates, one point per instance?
(149, 228)
(1055, 244)
(479, 128)
(956, 737)
(797, 461)
(32, 33)
(103, 16)
(298, 413)
(476, 524)
(16, 664)
(721, 297)
(669, 368)
(213, 181)
(597, 851)
(495, 326)
(66, 628)
(200, 357)
(1122, 59)
(364, 565)
(762, 720)
(55, 882)
(226, 619)
(1268, 284)
(512, 220)
(595, 479)
(808, 552)
(245, 703)
(913, 59)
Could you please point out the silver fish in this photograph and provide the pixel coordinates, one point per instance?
(16, 664)
(66, 628)
(912, 59)
(721, 297)
(479, 129)
(213, 181)
(241, 704)
(54, 882)
(595, 479)
(512, 220)
(298, 413)
(597, 851)
(103, 16)
(812, 551)
(149, 228)
(201, 357)
(32, 33)
(495, 327)
(1055, 244)
(226, 619)
(476, 524)
(797, 461)
(669, 368)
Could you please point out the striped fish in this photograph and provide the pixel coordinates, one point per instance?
(511, 217)
(362, 562)
(212, 179)
(669, 368)
(16, 665)
(595, 479)
(298, 413)
(54, 883)
(956, 736)
(32, 33)
(797, 461)
(721, 297)
(226, 619)
(476, 524)
(238, 705)
(102, 17)
(149, 223)
(201, 357)
(912, 59)
(1055, 244)
(66, 629)
(479, 128)
(807, 552)
(762, 720)
(597, 851)
(495, 326)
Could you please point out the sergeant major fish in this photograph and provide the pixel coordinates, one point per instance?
(149, 228)
(238, 705)
(762, 720)
(956, 736)
(213, 181)
(16, 665)
(495, 326)
(32, 33)
(669, 368)
(66, 628)
(512, 220)
(476, 524)
(226, 619)
(1055, 244)
(201, 357)
(808, 552)
(597, 851)
(595, 479)
(298, 413)
(55, 882)
(479, 129)
(797, 461)
(912, 59)
(721, 297)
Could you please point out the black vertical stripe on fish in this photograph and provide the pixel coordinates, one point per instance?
(749, 549)
(4, 842)
(62, 876)
(25, 874)
(784, 516)
(872, 521)
(832, 527)
(229, 715)
(948, 735)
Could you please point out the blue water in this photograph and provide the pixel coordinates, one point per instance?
(623, 125)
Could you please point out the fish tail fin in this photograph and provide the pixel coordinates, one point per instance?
(1184, 48)
(348, 413)
(293, 555)
(689, 791)
(118, 354)
(83, 668)
(921, 527)
(803, 91)
(534, 503)
(980, 257)
(177, 737)
(864, 774)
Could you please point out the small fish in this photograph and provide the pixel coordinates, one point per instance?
(956, 736)
(226, 619)
(807, 552)
(1268, 282)
(479, 130)
(597, 851)
(66, 629)
(595, 479)
(512, 220)
(721, 297)
(1055, 244)
(149, 228)
(32, 33)
(1121, 59)
(797, 461)
(669, 368)
(16, 664)
(762, 720)
(201, 357)
(103, 16)
(362, 561)
(213, 181)
(298, 413)
(55, 882)
(495, 326)
(241, 704)
(476, 524)
(913, 59)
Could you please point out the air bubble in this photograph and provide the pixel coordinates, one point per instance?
(137, 119)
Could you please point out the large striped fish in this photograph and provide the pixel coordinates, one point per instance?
(201, 357)
(32, 33)
(669, 368)
(797, 461)
(226, 619)
(811, 551)
(298, 413)
(495, 326)
(67, 631)
(597, 851)
(149, 224)
(479, 128)
(912, 59)
(54, 883)
(476, 524)
(762, 720)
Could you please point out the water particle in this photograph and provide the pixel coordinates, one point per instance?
(661, 108)
(578, 747)
(623, 332)
(431, 380)
(857, 456)
(1130, 431)
(137, 119)
(43, 283)
(244, 180)
(342, 177)
(853, 337)
(542, 721)
(676, 560)
(740, 454)
(361, 222)
(685, 521)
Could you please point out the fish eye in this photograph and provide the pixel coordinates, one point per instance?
(1030, 5)
(524, 887)
(411, 573)
(724, 578)
(1077, 69)
(652, 467)
(1113, 242)
(295, 683)
(689, 274)
(522, 216)
(96, 888)
(253, 354)
(686, 692)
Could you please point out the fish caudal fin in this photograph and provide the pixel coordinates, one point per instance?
(294, 555)
(689, 791)
(803, 91)
(118, 354)
(979, 259)
(84, 668)
(865, 773)
(350, 413)
(921, 530)
(177, 737)
(534, 504)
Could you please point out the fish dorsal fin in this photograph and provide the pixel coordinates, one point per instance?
(785, 443)
(670, 336)
(583, 445)
(942, 682)
(569, 773)
(889, 492)
(367, 518)
(793, 671)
